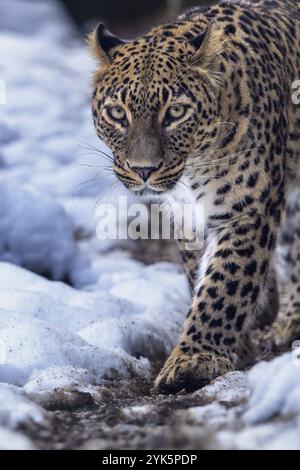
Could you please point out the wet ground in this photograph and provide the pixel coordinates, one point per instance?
(128, 417)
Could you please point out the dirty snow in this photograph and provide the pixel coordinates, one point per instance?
(119, 315)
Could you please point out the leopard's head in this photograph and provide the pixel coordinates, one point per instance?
(155, 102)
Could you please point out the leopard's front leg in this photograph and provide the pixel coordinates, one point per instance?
(216, 337)
(190, 260)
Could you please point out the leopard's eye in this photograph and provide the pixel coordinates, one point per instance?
(176, 111)
(117, 113)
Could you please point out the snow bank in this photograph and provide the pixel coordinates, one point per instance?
(271, 418)
(35, 231)
(275, 389)
(56, 340)
(49, 328)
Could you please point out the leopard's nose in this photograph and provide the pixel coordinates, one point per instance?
(144, 172)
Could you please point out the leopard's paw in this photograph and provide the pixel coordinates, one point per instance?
(286, 330)
(190, 371)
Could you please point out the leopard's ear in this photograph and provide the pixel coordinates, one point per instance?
(208, 46)
(102, 43)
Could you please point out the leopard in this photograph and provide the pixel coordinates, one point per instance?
(205, 106)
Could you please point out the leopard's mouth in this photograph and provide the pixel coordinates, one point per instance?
(148, 192)
(154, 187)
(157, 185)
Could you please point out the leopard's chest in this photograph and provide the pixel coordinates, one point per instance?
(204, 201)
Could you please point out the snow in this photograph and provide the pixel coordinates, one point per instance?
(36, 232)
(275, 389)
(137, 412)
(10, 440)
(46, 324)
(74, 310)
(269, 436)
(16, 409)
(229, 391)
(258, 409)
(214, 413)
(270, 419)
(38, 18)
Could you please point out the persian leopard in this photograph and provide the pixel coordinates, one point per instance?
(207, 99)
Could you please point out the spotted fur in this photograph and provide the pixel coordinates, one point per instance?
(237, 149)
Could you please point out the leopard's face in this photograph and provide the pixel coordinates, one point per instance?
(150, 112)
